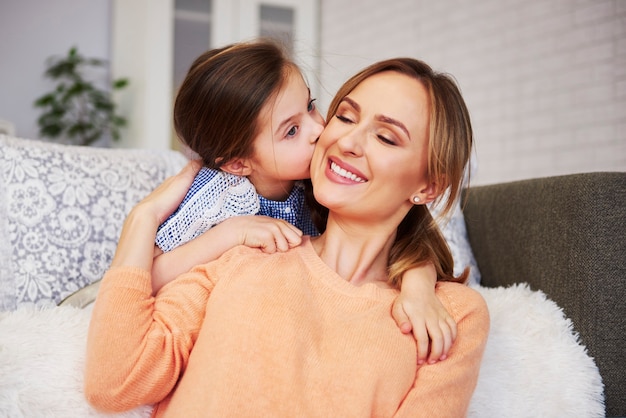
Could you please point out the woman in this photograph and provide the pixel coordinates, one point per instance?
(306, 332)
(247, 112)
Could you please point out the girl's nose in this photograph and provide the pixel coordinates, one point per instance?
(318, 127)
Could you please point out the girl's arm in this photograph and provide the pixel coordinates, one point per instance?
(255, 231)
(419, 310)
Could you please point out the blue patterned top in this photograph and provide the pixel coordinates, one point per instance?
(293, 210)
(215, 196)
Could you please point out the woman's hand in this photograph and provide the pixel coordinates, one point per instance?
(166, 198)
(136, 244)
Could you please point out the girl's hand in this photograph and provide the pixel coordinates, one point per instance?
(268, 234)
(419, 310)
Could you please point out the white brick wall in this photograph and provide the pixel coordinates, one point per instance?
(545, 80)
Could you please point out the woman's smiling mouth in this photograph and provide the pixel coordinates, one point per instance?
(334, 167)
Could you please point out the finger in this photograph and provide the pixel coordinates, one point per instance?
(268, 246)
(453, 327)
(289, 230)
(293, 237)
(422, 342)
(260, 238)
(452, 333)
(282, 233)
(281, 242)
(184, 177)
(436, 344)
(168, 195)
(447, 341)
(401, 318)
(188, 174)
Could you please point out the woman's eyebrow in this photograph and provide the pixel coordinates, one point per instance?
(381, 118)
(392, 121)
(352, 103)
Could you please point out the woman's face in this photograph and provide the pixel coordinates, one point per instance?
(371, 158)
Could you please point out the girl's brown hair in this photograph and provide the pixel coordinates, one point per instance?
(216, 112)
(419, 240)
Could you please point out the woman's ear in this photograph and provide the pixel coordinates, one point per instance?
(428, 193)
(237, 166)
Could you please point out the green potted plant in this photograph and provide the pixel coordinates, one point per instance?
(77, 111)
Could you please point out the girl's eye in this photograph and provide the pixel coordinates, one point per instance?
(293, 131)
(311, 106)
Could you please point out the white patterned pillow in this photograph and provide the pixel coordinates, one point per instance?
(61, 210)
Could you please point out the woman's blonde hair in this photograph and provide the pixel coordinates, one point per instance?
(419, 240)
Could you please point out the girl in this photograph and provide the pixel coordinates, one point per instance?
(247, 112)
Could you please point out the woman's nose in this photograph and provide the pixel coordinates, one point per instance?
(351, 142)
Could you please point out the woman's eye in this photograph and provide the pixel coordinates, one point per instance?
(386, 140)
(311, 106)
(343, 118)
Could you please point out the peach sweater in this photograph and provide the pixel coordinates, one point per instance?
(281, 335)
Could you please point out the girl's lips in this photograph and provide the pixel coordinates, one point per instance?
(344, 173)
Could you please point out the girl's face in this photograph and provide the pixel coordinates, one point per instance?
(290, 126)
(371, 158)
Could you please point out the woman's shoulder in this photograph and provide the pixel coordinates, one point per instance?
(462, 301)
(251, 257)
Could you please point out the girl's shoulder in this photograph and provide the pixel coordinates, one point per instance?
(213, 197)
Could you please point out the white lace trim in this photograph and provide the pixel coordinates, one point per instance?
(214, 196)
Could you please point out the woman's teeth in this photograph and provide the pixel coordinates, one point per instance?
(344, 173)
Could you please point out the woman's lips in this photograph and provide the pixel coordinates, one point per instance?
(344, 172)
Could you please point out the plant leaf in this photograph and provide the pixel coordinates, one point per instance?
(77, 108)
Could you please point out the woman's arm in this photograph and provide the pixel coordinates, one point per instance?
(446, 387)
(136, 244)
(137, 345)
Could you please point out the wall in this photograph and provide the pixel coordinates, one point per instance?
(142, 33)
(545, 81)
(33, 30)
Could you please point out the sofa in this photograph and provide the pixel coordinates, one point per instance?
(566, 236)
(546, 254)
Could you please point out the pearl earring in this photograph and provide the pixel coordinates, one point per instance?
(416, 199)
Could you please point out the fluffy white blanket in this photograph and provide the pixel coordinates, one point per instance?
(534, 364)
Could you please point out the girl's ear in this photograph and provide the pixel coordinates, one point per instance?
(237, 166)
